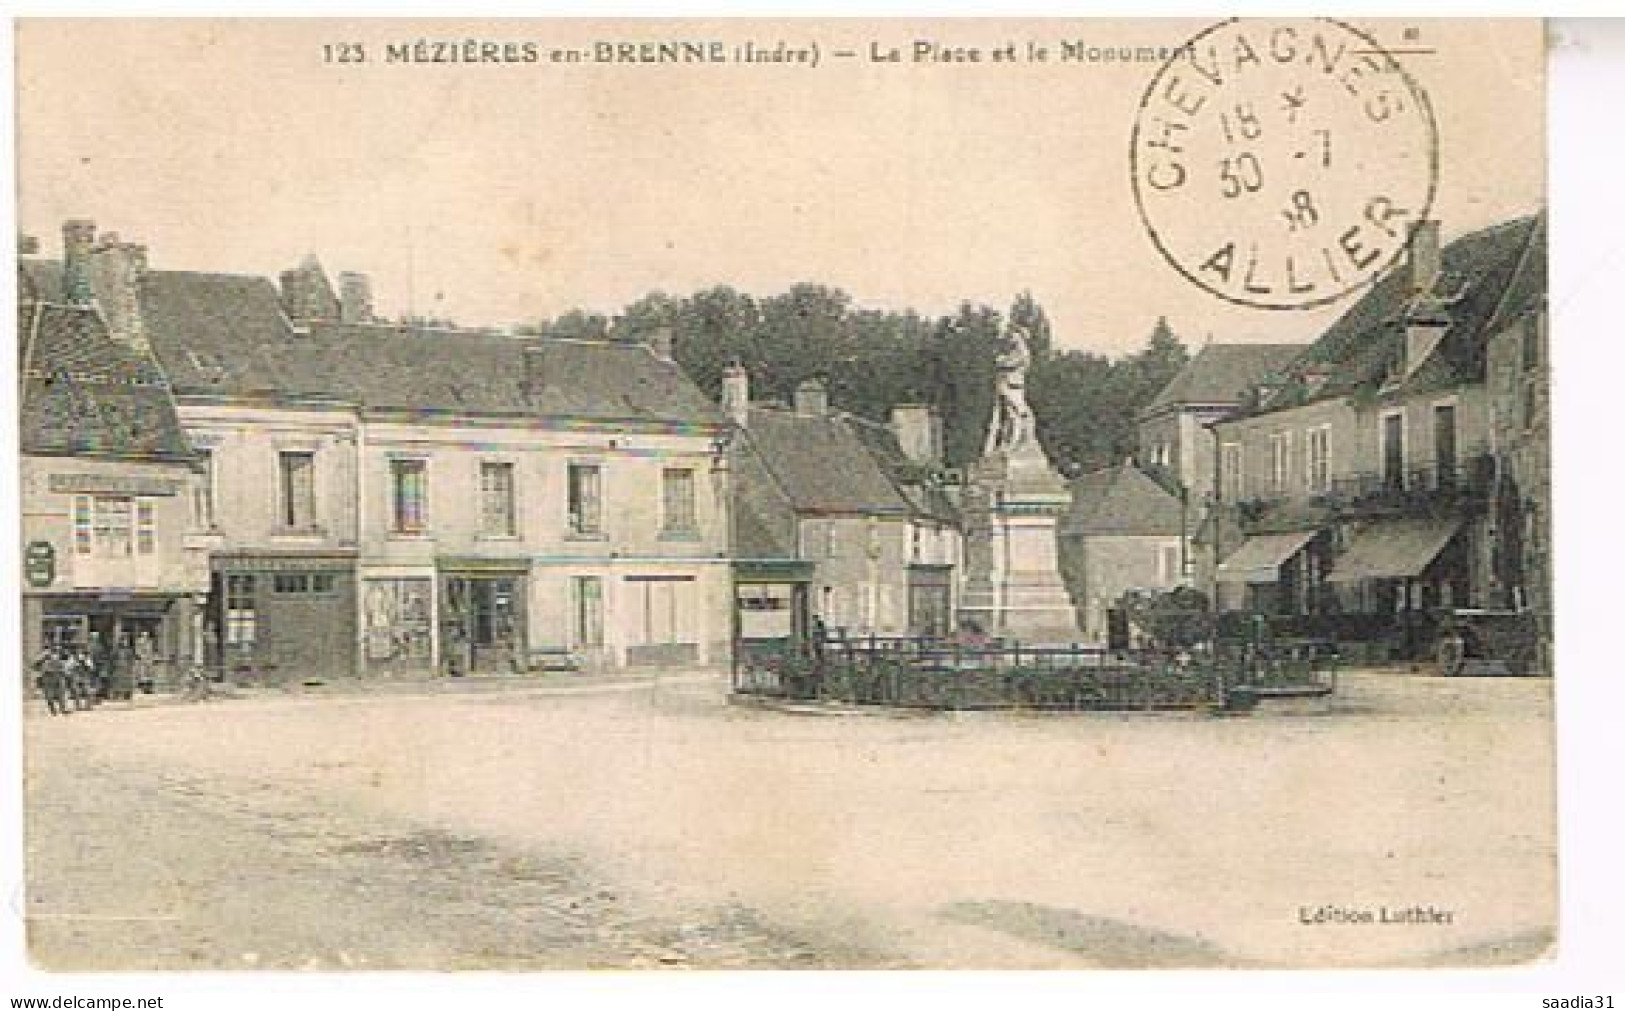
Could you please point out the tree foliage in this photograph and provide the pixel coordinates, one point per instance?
(873, 360)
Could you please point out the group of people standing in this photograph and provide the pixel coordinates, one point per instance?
(73, 677)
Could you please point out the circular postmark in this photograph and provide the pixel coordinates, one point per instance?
(1282, 164)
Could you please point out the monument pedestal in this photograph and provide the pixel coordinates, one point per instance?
(1013, 587)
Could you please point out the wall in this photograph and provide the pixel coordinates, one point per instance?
(47, 515)
(1103, 568)
(245, 442)
(631, 550)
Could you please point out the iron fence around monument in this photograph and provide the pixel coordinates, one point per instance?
(917, 673)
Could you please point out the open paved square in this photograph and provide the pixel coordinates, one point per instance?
(653, 825)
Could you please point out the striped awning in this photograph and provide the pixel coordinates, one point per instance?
(1259, 559)
(1394, 549)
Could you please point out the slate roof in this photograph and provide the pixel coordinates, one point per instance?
(1221, 374)
(86, 394)
(226, 335)
(1486, 278)
(928, 498)
(1121, 500)
(821, 465)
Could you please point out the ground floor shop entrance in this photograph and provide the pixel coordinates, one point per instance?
(143, 641)
(482, 623)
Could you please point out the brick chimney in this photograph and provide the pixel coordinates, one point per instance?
(115, 270)
(78, 240)
(918, 429)
(535, 377)
(355, 297)
(1425, 257)
(307, 295)
(812, 398)
(736, 393)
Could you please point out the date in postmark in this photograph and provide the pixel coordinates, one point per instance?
(1281, 164)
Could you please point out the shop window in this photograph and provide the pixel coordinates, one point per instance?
(302, 583)
(587, 607)
(241, 624)
(398, 614)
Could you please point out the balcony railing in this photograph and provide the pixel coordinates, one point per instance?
(1431, 486)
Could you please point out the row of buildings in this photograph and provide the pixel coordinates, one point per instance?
(1358, 486)
(264, 476)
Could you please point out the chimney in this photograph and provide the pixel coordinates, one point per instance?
(918, 429)
(812, 398)
(663, 343)
(115, 270)
(355, 297)
(306, 293)
(78, 240)
(1424, 256)
(736, 393)
(535, 377)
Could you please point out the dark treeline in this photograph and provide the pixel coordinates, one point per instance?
(1085, 403)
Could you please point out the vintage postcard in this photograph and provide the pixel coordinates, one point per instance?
(804, 494)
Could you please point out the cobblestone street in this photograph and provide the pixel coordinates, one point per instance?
(654, 826)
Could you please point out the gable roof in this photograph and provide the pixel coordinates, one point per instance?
(85, 394)
(821, 464)
(1121, 500)
(1486, 278)
(226, 335)
(1221, 374)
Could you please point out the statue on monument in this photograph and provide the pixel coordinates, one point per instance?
(1012, 426)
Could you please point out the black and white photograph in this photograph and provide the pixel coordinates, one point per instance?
(804, 494)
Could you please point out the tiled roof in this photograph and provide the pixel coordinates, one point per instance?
(821, 464)
(226, 335)
(1221, 374)
(1485, 277)
(401, 368)
(928, 497)
(86, 394)
(1121, 500)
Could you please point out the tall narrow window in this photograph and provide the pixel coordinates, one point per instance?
(114, 516)
(1393, 450)
(587, 607)
(203, 491)
(240, 619)
(1233, 479)
(298, 504)
(677, 502)
(146, 527)
(497, 515)
(83, 525)
(586, 498)
(1280, 461)
(1444, 444)
(408, 482)
(1318, 459)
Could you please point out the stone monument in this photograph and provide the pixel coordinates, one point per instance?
(1013, 504)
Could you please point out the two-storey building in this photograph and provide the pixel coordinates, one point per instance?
(1358, 491)
(839, 519)
(383, 499)
(107, 477)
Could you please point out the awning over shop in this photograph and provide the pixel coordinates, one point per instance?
(1259, 559)
(1394, 549)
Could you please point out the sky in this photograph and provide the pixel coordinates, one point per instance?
(493, 194)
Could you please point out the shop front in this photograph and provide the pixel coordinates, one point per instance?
(482, 616)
